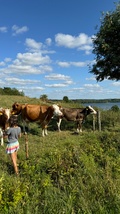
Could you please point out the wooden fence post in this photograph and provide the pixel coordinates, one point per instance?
(26, 145)
(93, 122)
(99, 120)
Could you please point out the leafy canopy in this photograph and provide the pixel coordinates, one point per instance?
(106, 47)
(44, 97)
(11, 91)
(66, 99)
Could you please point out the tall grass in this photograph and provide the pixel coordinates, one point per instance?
(66, 173)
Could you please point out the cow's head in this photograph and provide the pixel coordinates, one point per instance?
(4, 117)
(16, 108)
(57, 110)
(5, 113)
(90, 110)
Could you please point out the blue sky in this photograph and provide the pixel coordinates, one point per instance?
(46, 48)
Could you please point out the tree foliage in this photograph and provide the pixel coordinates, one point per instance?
(65, 99)
(44, 97)
(10, 91)
(106, 47)
(115, 108)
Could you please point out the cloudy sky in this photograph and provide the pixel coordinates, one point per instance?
(46, 48)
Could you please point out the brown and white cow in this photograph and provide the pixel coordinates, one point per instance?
(34, 113)
(75, 114)
(4, 121)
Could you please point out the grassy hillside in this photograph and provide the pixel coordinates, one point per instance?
(7, 101)
(66, 173)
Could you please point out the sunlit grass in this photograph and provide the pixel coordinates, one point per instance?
(66, 173)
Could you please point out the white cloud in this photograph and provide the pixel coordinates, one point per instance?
(22, 81)
(32, 91)
(2, 82)
(93, 86)
(64, 64)
(69, 82)
(33, 45)
(7, 60)
(116, 83)
(3, 29)
(48, 41)
(58, 77)
(33, 58)
(28, 63)
(80, 88)
(91, 79)
(25, 69)
(45, 68)
(81, 42)
(86, 48)
(79, 64)
(76, 64)
(19, 30)
(36, 61)
(59, 85)
(2, 63)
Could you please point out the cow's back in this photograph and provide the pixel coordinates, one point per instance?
(31, 112)
(71, 114)
(34, 112)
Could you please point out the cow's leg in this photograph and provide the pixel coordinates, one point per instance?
(79, 127)
(1, 136)
(80, 130)
(26, 124)
(2, 142)
(44, 130)
(24, 130)
(58, 124)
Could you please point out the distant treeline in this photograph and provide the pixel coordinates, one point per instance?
(92, 100)
(10, 91)
(97, 101)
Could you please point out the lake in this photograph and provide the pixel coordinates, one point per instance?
(104, 106)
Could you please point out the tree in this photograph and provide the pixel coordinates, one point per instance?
(11, 91)
(44, 97)
(65, 99)
(106, 47)
(115, 108)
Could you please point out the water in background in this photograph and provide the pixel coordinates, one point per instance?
(105, 106)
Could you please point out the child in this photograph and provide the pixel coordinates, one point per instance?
(13, 133)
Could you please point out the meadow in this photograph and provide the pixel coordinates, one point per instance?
(66, 173)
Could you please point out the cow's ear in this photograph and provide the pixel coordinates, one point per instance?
(1, 113)
(87, 108)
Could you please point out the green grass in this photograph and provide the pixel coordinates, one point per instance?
(65, 173)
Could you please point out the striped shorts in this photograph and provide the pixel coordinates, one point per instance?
(12, 147)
